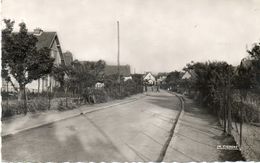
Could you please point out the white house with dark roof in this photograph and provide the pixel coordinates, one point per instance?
(149, 77)
(51, 41)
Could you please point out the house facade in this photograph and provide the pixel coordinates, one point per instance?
(47, 83)
(149, 78)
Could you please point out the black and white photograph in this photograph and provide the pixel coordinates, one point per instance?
(130, 80)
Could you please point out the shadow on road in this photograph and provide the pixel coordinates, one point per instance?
(164, 101)
(60, 142)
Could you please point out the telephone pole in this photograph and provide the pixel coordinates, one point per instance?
(118, 58)
(118, 51)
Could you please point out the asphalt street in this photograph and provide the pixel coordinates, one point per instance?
(135, 131)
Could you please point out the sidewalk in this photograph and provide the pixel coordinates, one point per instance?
(22, 123)
(196, 138)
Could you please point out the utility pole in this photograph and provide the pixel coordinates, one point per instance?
(118, 50)
(118, 57)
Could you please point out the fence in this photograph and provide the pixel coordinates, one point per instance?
(244, 121)
(35, 102)
(60, 100)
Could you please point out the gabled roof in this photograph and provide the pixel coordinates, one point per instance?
(46, 39)
(113, 69)
(146, 73)
(149, 75)
(189, 74)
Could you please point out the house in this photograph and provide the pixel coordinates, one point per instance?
(149, 78)
(49, 40)
(189, 74)
(124, 70)
(162, 79)
(128, 78)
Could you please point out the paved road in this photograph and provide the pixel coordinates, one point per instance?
(135, 131)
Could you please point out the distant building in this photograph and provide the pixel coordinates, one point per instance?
(68, 58)
(113, 69)
(149, 78)
(190, 74)
(49, 40)
(162, 79)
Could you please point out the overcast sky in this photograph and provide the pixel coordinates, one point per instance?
(156, 35)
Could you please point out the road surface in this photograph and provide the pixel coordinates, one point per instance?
(135, 131)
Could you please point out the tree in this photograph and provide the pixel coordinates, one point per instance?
(6, 39)
(214, 83)
(138, 80)
(173, 79)
(59, 72)
(82, 75)
(22, 59)
(254, 53)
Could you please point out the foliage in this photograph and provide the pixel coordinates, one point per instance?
(212, 78)
(217, 84)
(248, 72)
(58, 72)
(173, 79)
(254, 53)
(123, 89)
(88, 73)
(21, 58)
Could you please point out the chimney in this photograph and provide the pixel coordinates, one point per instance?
(37, 31)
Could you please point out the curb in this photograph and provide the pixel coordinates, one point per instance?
(173, 129)
(67, 117)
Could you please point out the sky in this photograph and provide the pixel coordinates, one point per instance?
(155, 35)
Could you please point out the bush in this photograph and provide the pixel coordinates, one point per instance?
(13, 108)
(61, 107)
(38, 104)
(100, 95)
(250, 113)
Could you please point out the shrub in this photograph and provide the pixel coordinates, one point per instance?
(13, 108)
(100, 95)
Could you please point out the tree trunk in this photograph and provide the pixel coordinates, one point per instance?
(22, 96)
(39, 83)
(241, 126)
(218, 112)
(241, 119)
(66, 97)
(7, 101)
(225, 111)
(225, 122)
(229, 107)
(229, 117)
